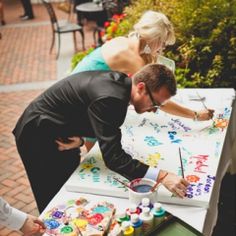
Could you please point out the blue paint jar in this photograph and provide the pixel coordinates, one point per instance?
(137, 224)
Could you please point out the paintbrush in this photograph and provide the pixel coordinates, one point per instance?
(203, 103)
(181, 163)
(109, 223)
(79, 231)
(125, 184)
(200, 98)
(158, 182)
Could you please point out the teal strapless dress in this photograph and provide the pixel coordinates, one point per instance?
(93, 61)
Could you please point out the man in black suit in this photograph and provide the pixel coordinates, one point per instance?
(89, 104)
(28, 10)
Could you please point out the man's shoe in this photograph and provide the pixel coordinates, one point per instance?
(22, 16)
(27, 18)
(3, 22)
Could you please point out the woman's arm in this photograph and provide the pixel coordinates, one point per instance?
(179, 110)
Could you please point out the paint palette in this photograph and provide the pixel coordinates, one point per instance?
(75, 218)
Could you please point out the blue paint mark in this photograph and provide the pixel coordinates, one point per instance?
(95, 170)
(51, 224)
(176, 141)
(173, 138)
(151, 141)
(100, 209)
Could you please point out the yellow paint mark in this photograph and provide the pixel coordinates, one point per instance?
(153, 159)
(80, 223)
(87, 166)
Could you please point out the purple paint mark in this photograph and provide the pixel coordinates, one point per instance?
(155, 127)
(57, 214)
(143, 122)
(176, 124)
(200, 188)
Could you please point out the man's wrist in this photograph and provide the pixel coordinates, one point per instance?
(82, 142)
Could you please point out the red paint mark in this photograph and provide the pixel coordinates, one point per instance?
(95, 219)
(200, 162)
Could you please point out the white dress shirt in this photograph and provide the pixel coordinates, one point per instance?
(10, 216)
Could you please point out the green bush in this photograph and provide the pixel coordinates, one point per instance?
(205, 50)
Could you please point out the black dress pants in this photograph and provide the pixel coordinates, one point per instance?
(28, 8)
(47, 167)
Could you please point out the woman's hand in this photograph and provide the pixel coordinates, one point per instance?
(206, 114)
(174, 183)
(73, 142)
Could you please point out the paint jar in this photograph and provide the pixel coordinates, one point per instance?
(141, 188)
(133, 209)
(116, 231)
(137, 224)
(122, 217)
(145, 203)
(158, 213)
(147, 218)
(127, 228)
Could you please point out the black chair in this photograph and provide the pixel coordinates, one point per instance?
(109, 9)
(67, 28)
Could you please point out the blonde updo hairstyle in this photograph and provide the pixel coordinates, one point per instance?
(153, 26)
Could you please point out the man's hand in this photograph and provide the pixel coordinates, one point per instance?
(33, 226)
(174, 183)
(73, 142)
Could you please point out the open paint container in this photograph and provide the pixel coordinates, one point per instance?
(141, 188)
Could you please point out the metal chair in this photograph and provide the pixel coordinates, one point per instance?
(67, 28)
(108, 6)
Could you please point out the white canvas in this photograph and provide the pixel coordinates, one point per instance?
(155, 139)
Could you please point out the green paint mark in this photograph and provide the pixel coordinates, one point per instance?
(71, 202)
(67, 229)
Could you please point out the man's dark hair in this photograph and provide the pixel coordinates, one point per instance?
(156, 76)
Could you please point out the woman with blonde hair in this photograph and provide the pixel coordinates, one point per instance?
(129, 54)
(151, 34)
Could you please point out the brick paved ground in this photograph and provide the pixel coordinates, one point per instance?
(24, 47)
(24, 57)
(23, 61)
(14, 185)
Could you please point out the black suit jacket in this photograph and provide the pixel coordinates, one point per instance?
(90, 104)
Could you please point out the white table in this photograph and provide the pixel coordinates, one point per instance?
(201, 219)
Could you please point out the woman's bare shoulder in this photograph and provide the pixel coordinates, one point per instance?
(120, 54)
(117, 44)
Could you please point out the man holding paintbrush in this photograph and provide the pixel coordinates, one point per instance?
(90, 104)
